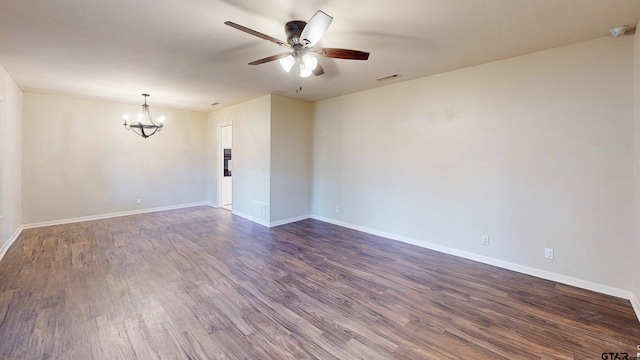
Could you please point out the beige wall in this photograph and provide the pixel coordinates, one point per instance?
(251, 122)
(291, 125)
(78, 160)
(535, 151)
(271, 158)
(10, 159)
(213, 120)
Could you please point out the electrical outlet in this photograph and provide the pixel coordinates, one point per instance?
(485, 240)
(337, 209)
(138, 201)
(548, 253)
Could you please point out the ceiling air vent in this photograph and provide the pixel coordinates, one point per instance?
(388, 77)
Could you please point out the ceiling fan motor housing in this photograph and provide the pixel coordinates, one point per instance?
(293, 29)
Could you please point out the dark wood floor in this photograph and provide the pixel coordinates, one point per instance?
(200, 283)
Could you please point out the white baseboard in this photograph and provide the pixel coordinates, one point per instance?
(289, 220)
(269, 224)
(568, 280)
(10, 241)
(636, 304)
(211, 204)
(110, 215)
(250, 218)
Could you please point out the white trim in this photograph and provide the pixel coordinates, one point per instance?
(2, 150)
(10, 241)
(220, 158)
(636, 304)
(250, 218)
(270, 224)
(584, 284)
(211, 204)
(289, 220)
(110, 215)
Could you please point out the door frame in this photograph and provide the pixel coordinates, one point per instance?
(220, 159)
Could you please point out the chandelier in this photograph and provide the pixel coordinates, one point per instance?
(144, 126)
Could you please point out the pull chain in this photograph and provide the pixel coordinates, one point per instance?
(299, 87)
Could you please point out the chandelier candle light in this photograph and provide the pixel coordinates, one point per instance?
(145, 126)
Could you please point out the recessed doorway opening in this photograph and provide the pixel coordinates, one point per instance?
(225, 167)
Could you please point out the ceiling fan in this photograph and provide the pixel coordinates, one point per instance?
(301, 39)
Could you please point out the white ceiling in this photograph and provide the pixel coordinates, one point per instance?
(181, 52)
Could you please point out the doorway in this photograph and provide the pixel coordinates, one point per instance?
(225, 167)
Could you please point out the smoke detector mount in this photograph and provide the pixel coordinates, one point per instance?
(619, 30)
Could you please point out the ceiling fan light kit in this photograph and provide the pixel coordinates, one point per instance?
(287, 62)
(301, 39)
(306, 64)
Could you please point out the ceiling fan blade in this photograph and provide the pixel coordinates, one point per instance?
(344, 54)
(256, 33)
(318, 70)
(269, 58)
(315, 28)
